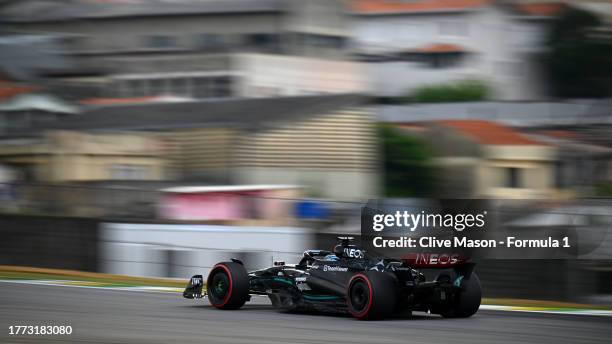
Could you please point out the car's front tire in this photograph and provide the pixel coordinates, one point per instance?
(228, 285)
(371, 295)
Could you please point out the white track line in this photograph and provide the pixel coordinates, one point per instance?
(546, 310)
(58, 283)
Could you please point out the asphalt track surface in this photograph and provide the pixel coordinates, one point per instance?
(112, 316)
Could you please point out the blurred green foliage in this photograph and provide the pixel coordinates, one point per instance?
(603, 189)
(578, 62)
(462, 91)
(407, 165)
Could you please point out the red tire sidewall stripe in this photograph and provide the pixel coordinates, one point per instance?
(229, 293)
(364, 313)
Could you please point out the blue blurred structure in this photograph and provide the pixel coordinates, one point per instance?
(307, 209)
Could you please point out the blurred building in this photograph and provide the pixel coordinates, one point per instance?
(64, 156)
(194, 49)
(581, 163)
(408, 44)
(567, 114)
(579, 131)
(31, 57)
(27, 110)
(482, 159)
(325, 143)
(74, 173)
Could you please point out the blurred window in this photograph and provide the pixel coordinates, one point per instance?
(42, 116)
(128, 172)
(157, 87)
(560, 174)
(179, 87)
(76, 43)
(135, 88)
(17, 120)
(207, 87)
(201, 88)
(513, 177)
(117, 89)
(209, 40)
(441, 60)
(323, 40)
(376, 58)
(24, 172)
(160, 41)
(262, 39)
(222, 87)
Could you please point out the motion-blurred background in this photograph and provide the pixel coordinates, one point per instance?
(157, 137)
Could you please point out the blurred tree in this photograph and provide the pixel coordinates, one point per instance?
(407, 168)
(603, 189)
(578, 62)
(462, 91)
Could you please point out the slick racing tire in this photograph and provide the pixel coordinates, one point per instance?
(371, 295)
(228, 286)
(467, 301)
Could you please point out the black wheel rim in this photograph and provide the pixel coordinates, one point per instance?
(360, 296)
(219, 287)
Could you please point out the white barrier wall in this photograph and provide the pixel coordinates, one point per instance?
(180, 251)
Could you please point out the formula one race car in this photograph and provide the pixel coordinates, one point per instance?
(345, 280)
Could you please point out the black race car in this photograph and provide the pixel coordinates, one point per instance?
(344, 280)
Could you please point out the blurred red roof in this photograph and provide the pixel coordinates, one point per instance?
(9, 89)
(440, 48)
(541, 9)
(489, 133)
(395, 6)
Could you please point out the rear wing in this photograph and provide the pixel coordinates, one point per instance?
(454, 261)
(435, 260)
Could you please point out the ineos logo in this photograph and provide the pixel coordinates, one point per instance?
(437, 259)
(353, 253)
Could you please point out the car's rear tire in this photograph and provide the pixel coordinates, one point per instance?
(228, 285)
(467, 302)
(371, 295)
